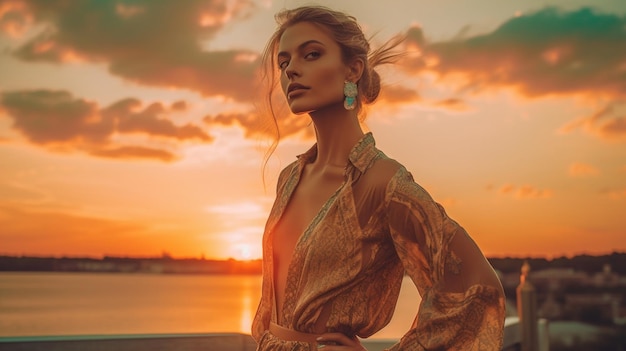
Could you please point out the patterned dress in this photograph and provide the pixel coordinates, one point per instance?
(348, 265)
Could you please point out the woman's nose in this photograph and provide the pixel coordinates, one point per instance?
(291, 70)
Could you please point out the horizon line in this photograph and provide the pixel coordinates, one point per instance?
(548, 257)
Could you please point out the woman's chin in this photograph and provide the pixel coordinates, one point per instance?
(299, 110)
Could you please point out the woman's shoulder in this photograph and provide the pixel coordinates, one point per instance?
(396, 178)
(383, 170)
(286, 173)
(388, 168)
(290, 168)
(385, 166)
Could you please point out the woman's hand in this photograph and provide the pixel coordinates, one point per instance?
(339, 342)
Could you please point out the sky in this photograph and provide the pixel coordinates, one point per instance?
(130, 128)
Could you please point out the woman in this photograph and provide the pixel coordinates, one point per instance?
(348, 221)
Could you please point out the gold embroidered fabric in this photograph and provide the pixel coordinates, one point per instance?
(347, 267)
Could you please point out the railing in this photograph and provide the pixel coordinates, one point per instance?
(208, 342)
(513, 335)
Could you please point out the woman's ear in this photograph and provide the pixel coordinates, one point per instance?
(355, 70)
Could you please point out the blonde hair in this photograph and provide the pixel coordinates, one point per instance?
(350, 38)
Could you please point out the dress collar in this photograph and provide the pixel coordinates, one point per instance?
(361, 155)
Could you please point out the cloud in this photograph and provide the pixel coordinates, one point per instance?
(179, 106)
(130, 152)
(608, 123)
(157, 43)
(414, 59)
(452, 104)
(615, 194)
(525, 191)
(59, 121)
(249, 121)
(132, 119)
(14, 18)
(395, 94)
(507, 188)
(253, 124)
(549, 52)
(579, 169)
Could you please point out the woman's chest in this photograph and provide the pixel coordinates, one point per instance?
(309, 200)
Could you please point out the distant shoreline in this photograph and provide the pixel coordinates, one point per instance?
(107, 264)
(169, 265)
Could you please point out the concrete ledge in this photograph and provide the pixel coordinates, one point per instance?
(197, 342)
(156, 342)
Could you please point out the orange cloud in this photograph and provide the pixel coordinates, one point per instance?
(507, 188)
(608, 123)
(543, 53)
(615, 194)
(58, 121)
(452, 104)
(179, 106)
(134, 152)
(148, 42)
(249, 121)
(14, 18)
(397, 94)
(415, 44)
(131, 118)
(579, 169)
(525, 192)
(129, 11)
(254, 124)
(530, 192)
(549, 52)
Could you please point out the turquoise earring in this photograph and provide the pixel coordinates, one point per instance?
(350, 91)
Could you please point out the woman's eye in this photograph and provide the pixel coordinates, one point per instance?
(312, 55)
(283, 64)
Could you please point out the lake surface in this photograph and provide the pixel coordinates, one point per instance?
(94, 304)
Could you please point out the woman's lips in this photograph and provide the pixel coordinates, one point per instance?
(296, 92)
(295, 89)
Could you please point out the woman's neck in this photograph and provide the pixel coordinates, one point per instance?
(337, 131)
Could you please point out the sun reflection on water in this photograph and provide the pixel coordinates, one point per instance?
(247, 307)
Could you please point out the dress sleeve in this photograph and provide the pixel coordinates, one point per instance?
(462, 304)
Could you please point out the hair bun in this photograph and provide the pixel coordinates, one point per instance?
(372, 89)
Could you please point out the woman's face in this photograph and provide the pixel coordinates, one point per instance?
(312, 69)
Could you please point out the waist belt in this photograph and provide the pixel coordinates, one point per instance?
(291, 335)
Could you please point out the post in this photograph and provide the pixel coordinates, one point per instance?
(527, 310)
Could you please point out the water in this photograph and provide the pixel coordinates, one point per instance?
(95, 304)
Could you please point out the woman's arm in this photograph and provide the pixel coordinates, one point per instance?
(462, 299)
